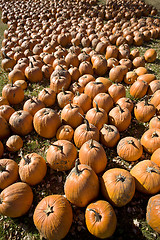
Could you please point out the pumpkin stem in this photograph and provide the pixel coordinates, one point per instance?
(87, 123)
(26, 158)
(70, 104)
(60, 147)
(77, 93)
(146, 101)
(46, 91)
(2, 168)
(5, 55)
(97, 108)
(121, 110)
(155, 134)
(48, 210)
(152, 170)
(132, 142)
(97, 215)
(120, 178)
(76, 166)
(109, 128)
(31, 64)
(91, 145)
(63, 90)
(11, 83)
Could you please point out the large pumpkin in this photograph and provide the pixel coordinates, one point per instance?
(81, 185)
(153, 213)
(100, 219)
(46, 122)
(16, 199)
(147, 177)
(118, 186)
(93, 154)
(53, 217)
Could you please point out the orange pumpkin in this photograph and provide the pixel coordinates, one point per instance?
(81, 185)
(147, 177)
(118, 186)
(53, 217)
(16, 200)
(100, 219)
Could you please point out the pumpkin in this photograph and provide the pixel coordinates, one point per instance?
(155, 100)
(100, 65)
(8, 172)
(153, 87)
(33, 73)
(106, 82)
(32, 168)
(16, 74)
(129, 148)
(117, 91)
(65, 132)
(116, 74)
(92, 154)
(14, 143)
(150, 55)
(100, 219)
(61, 155)
(152, 213)
(154, 122)
(21, 122)
(1, 149)
(151, 140)
(13, 93)
(21, 83)
(6, 111)
(147, 177)
(84, 79)
(93, 88)
(109, 135)
(147, 77)
(3, 101)
(144, 110)
(60, 78)
(64, 97)
(71, 115)
(53, 217)
(84, 132)
(83, 101)
(16, 200)
(155, 157)
(5, 130)
(118, 186)
(125, 102)
(81, 185)
(141, 70)
(85, 68)
(138, 89)
(130, 77)
(47, 96)
(33, 105)
(120, 117)
(104, 100)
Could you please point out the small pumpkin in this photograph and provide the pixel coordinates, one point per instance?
(65, 132)
(129, 148)
(47, 96)
(150, 55)
(61, 155)
(6, 111)
(32, 168)
(14, 143)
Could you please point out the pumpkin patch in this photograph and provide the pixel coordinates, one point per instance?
(79, 116)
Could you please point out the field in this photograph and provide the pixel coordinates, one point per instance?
(131, 219)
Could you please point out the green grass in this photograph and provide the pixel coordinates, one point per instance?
(23, 227)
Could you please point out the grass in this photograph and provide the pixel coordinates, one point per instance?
(131, 222)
